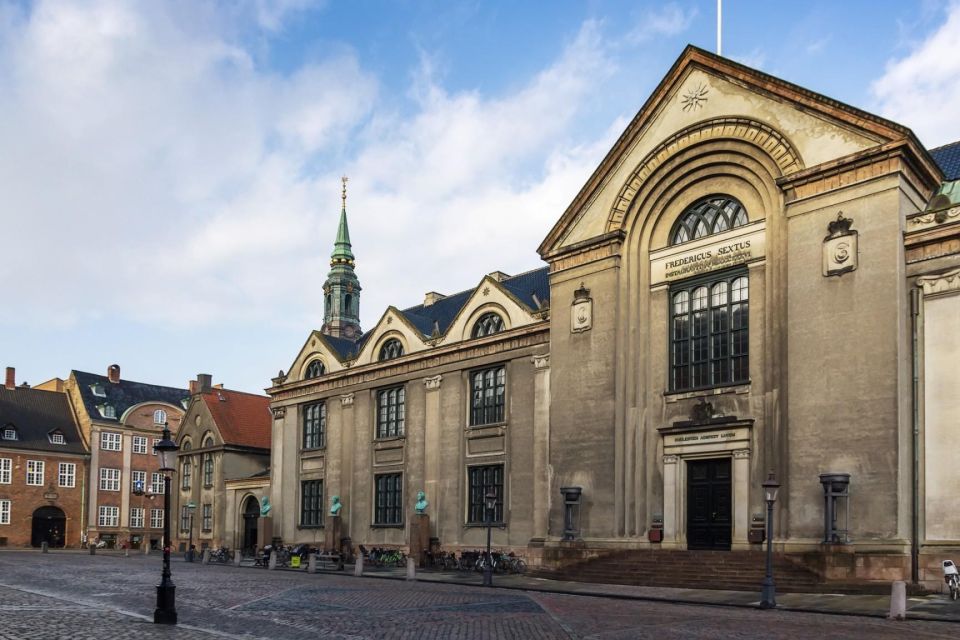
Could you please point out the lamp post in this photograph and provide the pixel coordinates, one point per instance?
(191, 506)
(490, 503)
(768, 597)
(166, 611)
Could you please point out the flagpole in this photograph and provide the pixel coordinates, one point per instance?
(719, 27)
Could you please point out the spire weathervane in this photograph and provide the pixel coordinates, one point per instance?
(343, 193)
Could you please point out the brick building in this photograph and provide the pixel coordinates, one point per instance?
(43, 468)
(121, 420)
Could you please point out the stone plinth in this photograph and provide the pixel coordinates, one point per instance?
(264, 529)
(419, 537)
(331, 537)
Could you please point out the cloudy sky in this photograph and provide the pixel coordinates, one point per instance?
(169, 171)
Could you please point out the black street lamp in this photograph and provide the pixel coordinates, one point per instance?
(768, 597)
(166, 611)
(491, 504)
(191, 506)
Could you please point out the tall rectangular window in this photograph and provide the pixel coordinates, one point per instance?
(139, 444)
(6, 470)
(208, 470)
(108, 516)
(156, 518)
(390, 412)
(389, 499)
(709, 332)
(208, 517)
(109, 479)
(186, 474)
(483, 479)
(314, 425)
(153, 449)
(156, 483)
(35, 473)
(136, 517)
(4, 512)
(311, 503)
(486, 401)
(110, 441)
(184, 519)
(67, 474)
(138, 481)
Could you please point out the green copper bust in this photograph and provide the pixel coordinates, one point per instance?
(335, 506)
(265, 507)
(422, 503)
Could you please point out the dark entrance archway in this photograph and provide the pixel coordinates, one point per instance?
(50, 526)
(251, 511)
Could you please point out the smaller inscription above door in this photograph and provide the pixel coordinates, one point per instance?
(709, 521)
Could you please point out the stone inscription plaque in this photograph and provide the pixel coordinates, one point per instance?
(739, 246)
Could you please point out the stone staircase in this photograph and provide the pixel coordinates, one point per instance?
(733, 570)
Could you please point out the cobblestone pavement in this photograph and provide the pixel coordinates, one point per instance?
(64, 595)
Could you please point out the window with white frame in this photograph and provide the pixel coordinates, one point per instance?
(57, 438)
(67, 474)
(6, 473)
(208, 517)
(4, 512)
(35, 473)
(159, 416)
(110, 441)
(108, 516)
(107, 410)
(138, 481)
(9, 433)
(156, 483)
(154, 448)
(139, 444)
(156, 518)
(136, 518)
(109, 479)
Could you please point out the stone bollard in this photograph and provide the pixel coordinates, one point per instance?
(44, 548)
(898, 601)
(93, 549)
(273, 560)
(312, 563)
(358, 567)
(126, 552)
(236, 558)
(205, 558)
(146, 548)
(411, 569)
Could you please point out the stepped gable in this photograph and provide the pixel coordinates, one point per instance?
(35, 414)
(243, 419)
(123, 394)
(947, 158)
(528, 288)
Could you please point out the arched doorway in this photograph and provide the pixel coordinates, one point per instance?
(49, 525)
(251, 511)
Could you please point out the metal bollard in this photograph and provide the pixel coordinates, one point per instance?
(236, 558)
(358, 567)
(273, 560)
(411, 569)
(898, 601)
(93, 549)
(44, 548)
(312, 563)
(126, 552)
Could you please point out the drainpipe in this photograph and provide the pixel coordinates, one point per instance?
(915, 534)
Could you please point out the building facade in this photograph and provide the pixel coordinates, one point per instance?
(729, 295)
(122, 420)
(43, 468)
(221, 477)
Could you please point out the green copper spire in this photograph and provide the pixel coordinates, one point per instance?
(341, 291)
(342, 253)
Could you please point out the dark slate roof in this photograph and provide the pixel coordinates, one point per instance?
(35, 413)
(442, 312)
(948, 157)
(347, 349)
(124, 394)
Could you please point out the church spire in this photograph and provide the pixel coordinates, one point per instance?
(341, 291)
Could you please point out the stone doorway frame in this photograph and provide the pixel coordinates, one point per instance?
(685, 442)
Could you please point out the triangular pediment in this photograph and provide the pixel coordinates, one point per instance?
(316, 347)
(392, 325)
(489, 296)
(704, 99)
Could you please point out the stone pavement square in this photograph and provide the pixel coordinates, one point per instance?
(70, 595)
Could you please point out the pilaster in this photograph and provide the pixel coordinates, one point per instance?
(431, 446)
(541, 446)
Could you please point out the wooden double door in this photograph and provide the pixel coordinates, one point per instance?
(709, 519)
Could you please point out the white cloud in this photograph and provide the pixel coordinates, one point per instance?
(921, 89)
(667, 20)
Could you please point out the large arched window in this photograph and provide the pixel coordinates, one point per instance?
(391, 349)
(314, 370)
(710, 215)
(488, 324)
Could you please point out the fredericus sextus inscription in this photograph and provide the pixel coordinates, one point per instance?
(708, 260)
(740, 246)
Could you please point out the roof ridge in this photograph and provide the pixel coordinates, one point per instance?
(944, 146)
(150, 384)
(474, 288)
(246, 393)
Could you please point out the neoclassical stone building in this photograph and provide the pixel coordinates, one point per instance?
(730, 293)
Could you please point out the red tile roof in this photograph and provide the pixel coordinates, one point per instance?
(243, 418)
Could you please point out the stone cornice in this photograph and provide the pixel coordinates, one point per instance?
(602, 247)
(522, 337)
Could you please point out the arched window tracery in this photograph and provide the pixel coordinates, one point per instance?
(710, 215)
